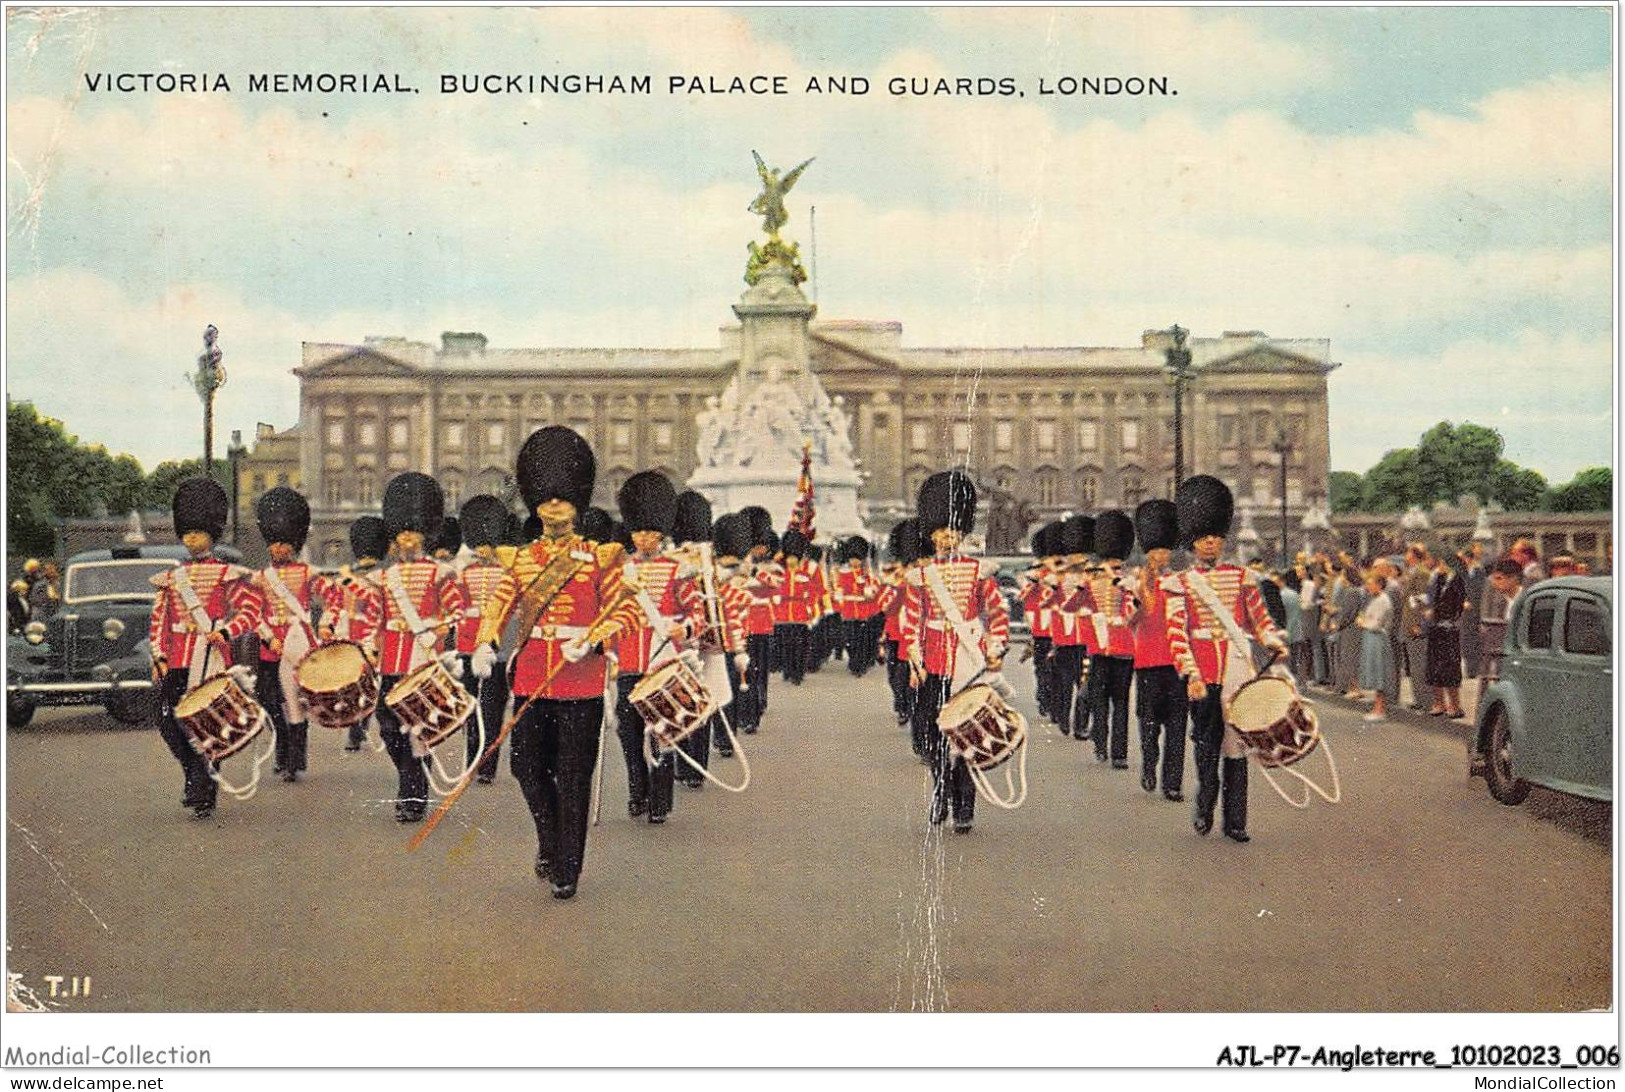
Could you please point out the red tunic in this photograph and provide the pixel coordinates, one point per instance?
(1110, 609)
(595, 586)
(1151, 647)
(857, 595)
(307, 586)
(221, 589)
(675, 600)
(929, 638)
(890, 602)
(432, 589)
(353, 607)
(477, 581)
(797, 597)
(1198, 639)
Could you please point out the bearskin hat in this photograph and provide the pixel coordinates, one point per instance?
(855, 548)
(450, 538)
(795, 544)
(200, 505)
(556, 464)
(1077, 536)
(620, 534)
(595, 525)
(513, 531)
(1053, 546)
(414, 502)
(771, 540)
(693, 520)
(367, 538)
(761, 524)
(531, 529)
(1114, 534)
(283, 516)
(1205, 506)
(903, 544)
(1157, 523)
(947, 499)
(484, 521)
(648, 502)
(731, 535)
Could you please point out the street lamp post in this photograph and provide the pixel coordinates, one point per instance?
(1282, 447)
(209, 377)
(234, 455)
(1178, 363)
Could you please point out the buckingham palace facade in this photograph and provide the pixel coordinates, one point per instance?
(1054, 429)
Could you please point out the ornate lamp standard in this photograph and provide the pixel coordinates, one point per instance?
(234, 455)
(1283, 448)
(1178, 362)
(209, 377)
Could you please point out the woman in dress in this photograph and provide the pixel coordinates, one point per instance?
(1376, 657)
(1449, 594)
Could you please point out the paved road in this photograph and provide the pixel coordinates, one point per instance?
(821, 888)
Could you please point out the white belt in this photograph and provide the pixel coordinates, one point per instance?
(182, 627)
(560, 633)
(938, 624)
(1207, 634)
(472, 613)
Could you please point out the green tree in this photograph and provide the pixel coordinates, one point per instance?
(1517, 488)
(1394, 484)
(1591, 490)
(1456, 460)
(159, 490)
(1346, 491)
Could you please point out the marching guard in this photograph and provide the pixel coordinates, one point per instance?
(1159, 692)
(420, 606)
(1109, 606)
(1039, 595)
(202, 605)
(760, 583)
(727, 621)
(1070, 649)
(482, 521)
(795, 606)
(288, 588)
(903, 550)
(955, 631)
(567, 593)
(355, 602)
(856, 595)
(716, 627)
(1214, 609)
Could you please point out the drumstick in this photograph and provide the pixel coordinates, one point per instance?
(494, 745)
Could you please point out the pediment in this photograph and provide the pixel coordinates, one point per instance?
(358, 362)
(1269, 359)
(827, 353)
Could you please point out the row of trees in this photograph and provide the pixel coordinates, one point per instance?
(1452, 461)
(51, 476)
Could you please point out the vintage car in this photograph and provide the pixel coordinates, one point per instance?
(1548, 720)
(93, 650)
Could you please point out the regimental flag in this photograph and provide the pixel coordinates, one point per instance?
(801, 513)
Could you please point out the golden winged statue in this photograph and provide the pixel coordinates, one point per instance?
(769, 204)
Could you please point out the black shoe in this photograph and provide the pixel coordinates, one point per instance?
(1202, 823)
(1148, 781)
(279, 769)
(352, 747)
(290, 775)
(1119, 763)
(962, 826)
(486, 779)
(939, 813)
(1238, 836)
(202, 811)
(409, 815)
(635, 808)
(656, 820)
(725, 752)
(750, 729)
(1173, 794)
(1100, 756)
(564, 890)
(696, 783)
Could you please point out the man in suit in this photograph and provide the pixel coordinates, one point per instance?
(1413, 623)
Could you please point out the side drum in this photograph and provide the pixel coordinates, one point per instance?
(980, 728)
(673, 702)
(339, 686)
(430, 704)
(220, 717)
(1274, 722)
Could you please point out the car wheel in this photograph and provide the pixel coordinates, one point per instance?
(131, 708)
(19, 711)
(1498, 762)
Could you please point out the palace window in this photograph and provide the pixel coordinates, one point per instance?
(397, 433)
(1046, 437)
(366, 489)
(334, 491)
(1090, 486)
(663, 436)
(258, 486)
(1130, 432)
(453, 484)
(620, 436)
(454, 435)
(961, 437)
(366, 434)
(919, 437)
(496, 436)
(1263, 429)
(1088, 435)
(1049, 486)
(1229, 434)
(1133, 490)
(282, 479)
(1004, 436)
(335, 433)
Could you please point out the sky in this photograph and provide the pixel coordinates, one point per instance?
(1429, 188)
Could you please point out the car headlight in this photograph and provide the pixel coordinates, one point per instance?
(34, 633)
(113, 629)
(101, 672)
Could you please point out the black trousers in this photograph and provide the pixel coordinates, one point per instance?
(860, 645)
(492, 694)
(902, 695)
(794, 640)
(1109, 678)
(1161, 702)
(759, 646)
(697, 746)
(951, 786)
(292, 740)
(555, 746)
(199, 788)
(1207, 733)
(651, 787)
(411, 774)
(1043, 673)
(1068, 661)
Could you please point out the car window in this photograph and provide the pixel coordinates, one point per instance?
(1585, 629)
(121, 579)
(1538, 622)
